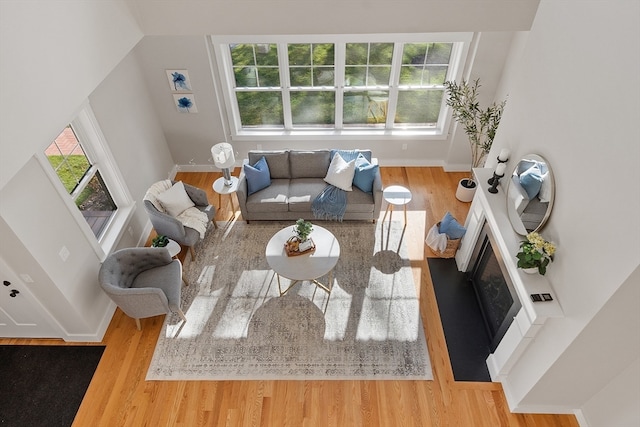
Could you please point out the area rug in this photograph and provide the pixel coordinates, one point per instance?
(44, 385)
(239, 328)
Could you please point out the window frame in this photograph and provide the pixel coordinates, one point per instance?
(225, 84)
(89, 135)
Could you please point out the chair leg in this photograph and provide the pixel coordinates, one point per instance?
(138, 324)
(215, 224)
(181, 314)
(193, 253)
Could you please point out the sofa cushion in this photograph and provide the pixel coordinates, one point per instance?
(309, 164)
(274, 198)
(258, 176)
(365, 174)
(340, 173)
(531, 181)
(359, 201)
(303, 191)
(175, 200)
(278, 162)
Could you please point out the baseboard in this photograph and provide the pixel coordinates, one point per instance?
(101, 330)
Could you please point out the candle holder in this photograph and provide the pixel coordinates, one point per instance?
(493, 182)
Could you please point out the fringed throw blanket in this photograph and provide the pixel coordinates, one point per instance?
(330, 204)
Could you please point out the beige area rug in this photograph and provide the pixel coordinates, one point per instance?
(238, 327)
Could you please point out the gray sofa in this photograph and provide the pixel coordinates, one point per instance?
(297, 177)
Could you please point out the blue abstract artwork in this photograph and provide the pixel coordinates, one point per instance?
(185, 103)
(179, 80)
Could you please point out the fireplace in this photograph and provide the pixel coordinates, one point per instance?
(496, 295)
(490, 234)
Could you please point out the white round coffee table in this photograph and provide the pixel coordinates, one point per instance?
(310, 266)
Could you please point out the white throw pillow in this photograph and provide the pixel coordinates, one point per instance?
(340, 173)
(175, 200)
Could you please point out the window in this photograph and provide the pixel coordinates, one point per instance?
(82, 180)
(338, 85)
(79, 159)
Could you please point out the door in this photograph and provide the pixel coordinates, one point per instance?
(21, 315)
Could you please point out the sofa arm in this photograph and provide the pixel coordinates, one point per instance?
(377, 192)
(242, 192)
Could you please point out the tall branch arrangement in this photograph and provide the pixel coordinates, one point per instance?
(479, 124)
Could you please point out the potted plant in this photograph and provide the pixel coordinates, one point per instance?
(535, 254)
(160, 241)
(479, 124)
(303, 229)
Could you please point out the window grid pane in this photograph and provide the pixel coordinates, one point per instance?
(368, 94)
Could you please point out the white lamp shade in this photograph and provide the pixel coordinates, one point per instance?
(223, 156)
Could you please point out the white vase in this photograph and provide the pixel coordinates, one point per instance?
(465, 194)
(530, 270)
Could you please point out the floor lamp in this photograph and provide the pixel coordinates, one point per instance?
(224, 159)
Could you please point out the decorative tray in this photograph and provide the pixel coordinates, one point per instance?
(297, 252)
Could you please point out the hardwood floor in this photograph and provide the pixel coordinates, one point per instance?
(120, 396)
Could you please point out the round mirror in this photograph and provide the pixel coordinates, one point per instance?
(530, 194)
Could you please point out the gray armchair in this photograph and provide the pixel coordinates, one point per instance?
(143, 282)
(167, 225)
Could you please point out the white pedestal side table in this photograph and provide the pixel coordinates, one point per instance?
(395, 195)
(220, 187)
(310, 266)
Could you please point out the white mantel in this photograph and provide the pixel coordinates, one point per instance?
(492, 208)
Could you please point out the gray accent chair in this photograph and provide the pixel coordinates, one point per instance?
(166, 225)
(143, 282)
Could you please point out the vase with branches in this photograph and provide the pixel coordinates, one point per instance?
(480, 124)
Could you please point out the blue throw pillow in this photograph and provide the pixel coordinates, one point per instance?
(365, 174)
(451, 227)
(531, 181)
(258, 176)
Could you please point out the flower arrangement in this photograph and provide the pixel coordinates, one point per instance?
(535, 252)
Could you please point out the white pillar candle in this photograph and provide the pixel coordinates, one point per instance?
(500, 169)
(504, 155)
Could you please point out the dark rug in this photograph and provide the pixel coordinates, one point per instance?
(44, 385)
(464, 329)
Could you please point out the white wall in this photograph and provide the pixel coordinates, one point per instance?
(61, 63)
(190, 17)
(190, 136)
(53, 54)
(574, 100)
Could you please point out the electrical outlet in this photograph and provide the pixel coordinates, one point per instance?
(64, 253)
(259, 146)
(404, 146)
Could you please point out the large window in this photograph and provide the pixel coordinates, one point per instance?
(338, 85)
(89, 180)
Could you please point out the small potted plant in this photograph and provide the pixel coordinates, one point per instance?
(535, 254)
(479, 124)
(303, 229)
(160, 241)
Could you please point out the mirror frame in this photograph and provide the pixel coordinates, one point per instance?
(513, 194)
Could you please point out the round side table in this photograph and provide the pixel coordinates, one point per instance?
(396, 195)
(220, 187)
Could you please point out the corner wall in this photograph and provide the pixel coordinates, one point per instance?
(583, 119)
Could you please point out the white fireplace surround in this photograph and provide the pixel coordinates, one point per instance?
(492, 208)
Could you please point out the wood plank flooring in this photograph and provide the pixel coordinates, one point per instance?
(120, 396)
